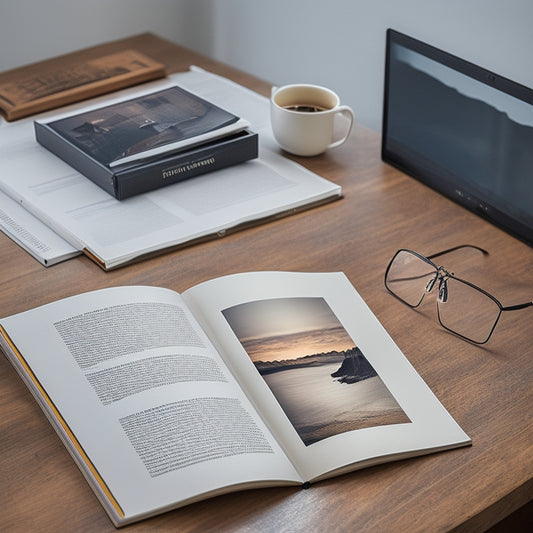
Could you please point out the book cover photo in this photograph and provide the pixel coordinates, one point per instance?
(144, 126)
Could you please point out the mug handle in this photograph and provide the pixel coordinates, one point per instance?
(348, 113)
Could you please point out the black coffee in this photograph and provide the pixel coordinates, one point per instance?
(304, 108)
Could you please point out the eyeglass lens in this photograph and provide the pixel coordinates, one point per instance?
(466, 310)
(408, 276)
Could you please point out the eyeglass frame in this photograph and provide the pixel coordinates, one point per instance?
(442, 279)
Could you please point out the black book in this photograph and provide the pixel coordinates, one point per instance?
(150, 141)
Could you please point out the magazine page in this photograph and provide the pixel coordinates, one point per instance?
(32, 235)
(116, 232)
(127, 373)
(327, 378)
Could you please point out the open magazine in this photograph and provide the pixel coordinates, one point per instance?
(250, 380)
(113, 232)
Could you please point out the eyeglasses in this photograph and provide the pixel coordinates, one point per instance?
(462, 307)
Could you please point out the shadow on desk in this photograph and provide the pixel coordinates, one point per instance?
(521, 521)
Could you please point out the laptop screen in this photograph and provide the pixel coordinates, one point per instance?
(462, 130)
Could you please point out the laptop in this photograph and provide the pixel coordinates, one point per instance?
(460, 129)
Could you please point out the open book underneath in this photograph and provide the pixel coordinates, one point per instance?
(250, 380)
(117, 232)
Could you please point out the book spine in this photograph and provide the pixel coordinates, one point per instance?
(200, 160)
(55, 143)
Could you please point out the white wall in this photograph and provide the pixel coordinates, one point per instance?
(341, 43)
(338, 43)
(31, 30)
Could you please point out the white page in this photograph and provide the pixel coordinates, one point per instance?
(119, 231)
(75, 363)
(397, 417)
(177, 146)
(32, 235)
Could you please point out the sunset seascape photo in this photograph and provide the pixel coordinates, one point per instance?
(316, 371)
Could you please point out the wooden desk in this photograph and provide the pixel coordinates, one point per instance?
(487, 390)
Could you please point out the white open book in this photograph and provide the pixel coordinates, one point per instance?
(250, 380)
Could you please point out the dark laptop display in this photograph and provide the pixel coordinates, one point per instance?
(462, 130)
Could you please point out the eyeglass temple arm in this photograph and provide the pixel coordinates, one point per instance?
(508, 308)
(458, 248)
(517, 306)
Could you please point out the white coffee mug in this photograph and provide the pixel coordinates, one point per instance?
(303, 117)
